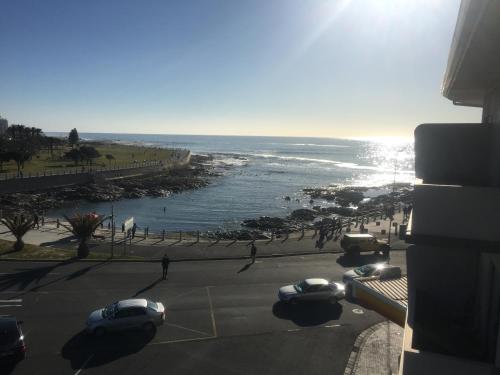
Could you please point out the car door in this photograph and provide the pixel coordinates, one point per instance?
(324, 292)
(311, 293)
(122, 319)
(138, 316)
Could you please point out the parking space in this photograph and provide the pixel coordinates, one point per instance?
(212, 310)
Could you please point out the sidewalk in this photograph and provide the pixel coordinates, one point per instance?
(190, 248)
(376, 351)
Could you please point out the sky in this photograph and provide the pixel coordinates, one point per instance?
(319, 68)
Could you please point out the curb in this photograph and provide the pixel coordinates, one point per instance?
(352, 362)
(172, 260)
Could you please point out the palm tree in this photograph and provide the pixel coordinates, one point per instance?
(83, 226)
(18, 225)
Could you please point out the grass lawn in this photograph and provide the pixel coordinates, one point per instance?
(42, 252)
(123, 155)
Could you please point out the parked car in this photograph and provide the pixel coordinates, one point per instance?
(354, 244)
(12, 346)
(126, 314)
(379, 270)
(311, 290)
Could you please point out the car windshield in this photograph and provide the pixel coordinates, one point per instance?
(152, 305)
(364, 270)
(301, 287)
(109, 311)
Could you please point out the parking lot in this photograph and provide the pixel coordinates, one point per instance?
(223, 317)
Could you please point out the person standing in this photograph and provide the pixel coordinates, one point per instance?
(35, 221)
(165, 262)
(253, 252)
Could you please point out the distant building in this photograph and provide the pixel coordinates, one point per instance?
(453, 320)
(4, 124)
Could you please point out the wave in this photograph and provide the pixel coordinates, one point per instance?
(333, 162)
(310, 145)
(317, 145)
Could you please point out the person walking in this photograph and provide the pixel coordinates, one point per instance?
(35, 221)
(165, 261)
(253, 252)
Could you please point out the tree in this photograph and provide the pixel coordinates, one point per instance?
(89, 153)
(5, 155)
(73, 137)
(74, 154)
(83, 227)
(23, 143)
(18, 226)
(110, 157)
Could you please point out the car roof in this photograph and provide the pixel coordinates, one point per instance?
(358, 235)
(316, 281)
(133, 302)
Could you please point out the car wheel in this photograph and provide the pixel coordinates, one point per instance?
(99, 331)
(148, 327)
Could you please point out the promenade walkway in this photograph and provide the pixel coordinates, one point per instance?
(190, 247)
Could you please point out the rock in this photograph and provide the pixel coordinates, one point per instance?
(303, 214)
(265, 223)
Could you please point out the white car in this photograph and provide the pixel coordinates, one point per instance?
(380, 270)
(312, 290)
(126, 314)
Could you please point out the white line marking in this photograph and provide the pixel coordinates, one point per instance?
(333, 326)
(187, 329)
(84, 364)
(11, 305)
(294, 330)
(182, 340)
(10, 300)
(212, 316)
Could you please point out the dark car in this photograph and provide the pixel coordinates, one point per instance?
(12, 346)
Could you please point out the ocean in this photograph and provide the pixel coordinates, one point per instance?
(257, 173)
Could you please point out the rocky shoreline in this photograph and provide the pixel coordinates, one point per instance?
(193, 176)
(349, 202)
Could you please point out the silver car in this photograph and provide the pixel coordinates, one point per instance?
(383, 271)
(312, 290)
(126, 314)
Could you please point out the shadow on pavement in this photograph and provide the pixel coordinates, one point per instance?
(360, 260)
(24, 278)
(245, 267)
(308, 314)
(7, 367)
(146, 288)
(84, 350)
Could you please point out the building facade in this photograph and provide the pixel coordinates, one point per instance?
(453, 264)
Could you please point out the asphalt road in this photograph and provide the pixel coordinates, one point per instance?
(223, 317)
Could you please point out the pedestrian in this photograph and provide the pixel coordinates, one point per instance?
(165, 261)
(35, 221)
(253, 252)
(134, 228)
(164, 210)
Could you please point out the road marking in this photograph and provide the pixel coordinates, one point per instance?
(294, 330)
(10, 300)
(212, 316)
(333, 326)
(11, 305)
(15, 273)
(358, 311)
(182, 340)
(187, 329)
(84, 364)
